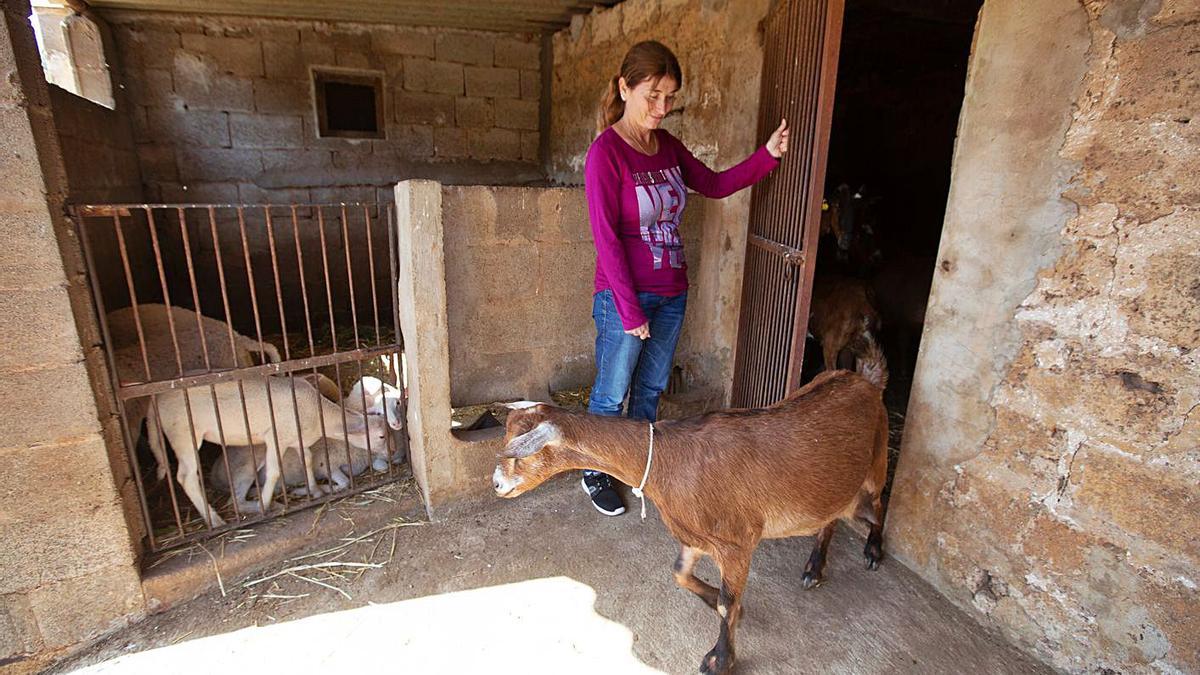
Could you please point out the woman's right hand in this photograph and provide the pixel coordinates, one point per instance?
(642, 331)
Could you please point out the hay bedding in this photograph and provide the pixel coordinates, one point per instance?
(330, 570)
(571, 399)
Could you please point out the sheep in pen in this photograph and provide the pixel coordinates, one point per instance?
(256, 346)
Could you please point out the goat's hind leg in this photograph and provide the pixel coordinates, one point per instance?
(684, 564)
(870, 511)
(814, 569)
(870, 499)
(188, 475)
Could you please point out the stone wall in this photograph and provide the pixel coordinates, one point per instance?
(1049, 471)
(519, 282)
(223, 108)
(720, 51)
(67, 568)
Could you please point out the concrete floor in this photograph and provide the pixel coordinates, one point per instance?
(545, 584)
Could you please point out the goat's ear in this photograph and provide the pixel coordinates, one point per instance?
(531, 441)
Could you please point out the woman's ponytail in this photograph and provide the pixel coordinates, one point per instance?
(611, 105)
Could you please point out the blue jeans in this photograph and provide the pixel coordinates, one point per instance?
(626, 364)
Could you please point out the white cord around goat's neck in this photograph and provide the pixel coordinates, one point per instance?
(637, 491)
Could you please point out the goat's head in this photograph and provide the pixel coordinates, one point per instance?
(533, 449)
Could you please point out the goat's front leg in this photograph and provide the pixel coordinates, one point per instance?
(816, 560)
(684, 564)
(735, 567)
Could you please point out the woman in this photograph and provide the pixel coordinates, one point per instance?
(636, 179)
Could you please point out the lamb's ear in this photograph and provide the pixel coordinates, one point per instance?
(533, 440)
(521, 405)
(356, 423)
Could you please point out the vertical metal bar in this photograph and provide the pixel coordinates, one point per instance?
(266, 383)
(287, 352)
(187, 406)
(328, 287)
(162, 277)
(174, 340)
(212, 223)
(350, 276)
(187, 252)
(287, 357)
(163, 444)
(337, 371)
(371, 265)
(786, 48)
(312, 349)
(191, 270)
(825, 96)
(788, 45)
(115, 380)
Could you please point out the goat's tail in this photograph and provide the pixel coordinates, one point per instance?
(871, 363)
(260, 349)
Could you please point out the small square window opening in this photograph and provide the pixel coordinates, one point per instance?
(349, 105)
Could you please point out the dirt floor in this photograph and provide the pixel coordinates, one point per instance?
(543, 583)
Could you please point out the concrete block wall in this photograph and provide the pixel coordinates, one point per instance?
(223, 107)
(720, 52)
(102, 167)
(519, 280)
(1049, 471)
(67, 566)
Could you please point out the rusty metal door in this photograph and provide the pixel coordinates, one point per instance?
(800, 56)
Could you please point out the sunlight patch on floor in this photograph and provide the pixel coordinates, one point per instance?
(540, 626)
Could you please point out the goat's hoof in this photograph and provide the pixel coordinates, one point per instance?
(810, 580)
(873, 554)
(717, 662)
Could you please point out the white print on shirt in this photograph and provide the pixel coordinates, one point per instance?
(661, 197)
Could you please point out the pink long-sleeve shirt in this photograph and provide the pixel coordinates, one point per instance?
(635, 202)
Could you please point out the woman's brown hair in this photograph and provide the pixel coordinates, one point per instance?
(644, 61)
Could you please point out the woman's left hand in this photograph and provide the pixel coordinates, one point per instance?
(778, 143)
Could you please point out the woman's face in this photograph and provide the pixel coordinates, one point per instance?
(649, 102)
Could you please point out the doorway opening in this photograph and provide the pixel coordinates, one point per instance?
(901, 76)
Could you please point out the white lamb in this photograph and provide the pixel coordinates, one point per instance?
(346, 460)
(381, 399)
(156, 320)
(288, 430)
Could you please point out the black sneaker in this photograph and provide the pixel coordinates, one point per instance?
(604, 497)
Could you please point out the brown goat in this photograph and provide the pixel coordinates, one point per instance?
(843, 319)
(725, 480)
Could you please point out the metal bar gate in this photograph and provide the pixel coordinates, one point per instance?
(799, 73)
(260, 329)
